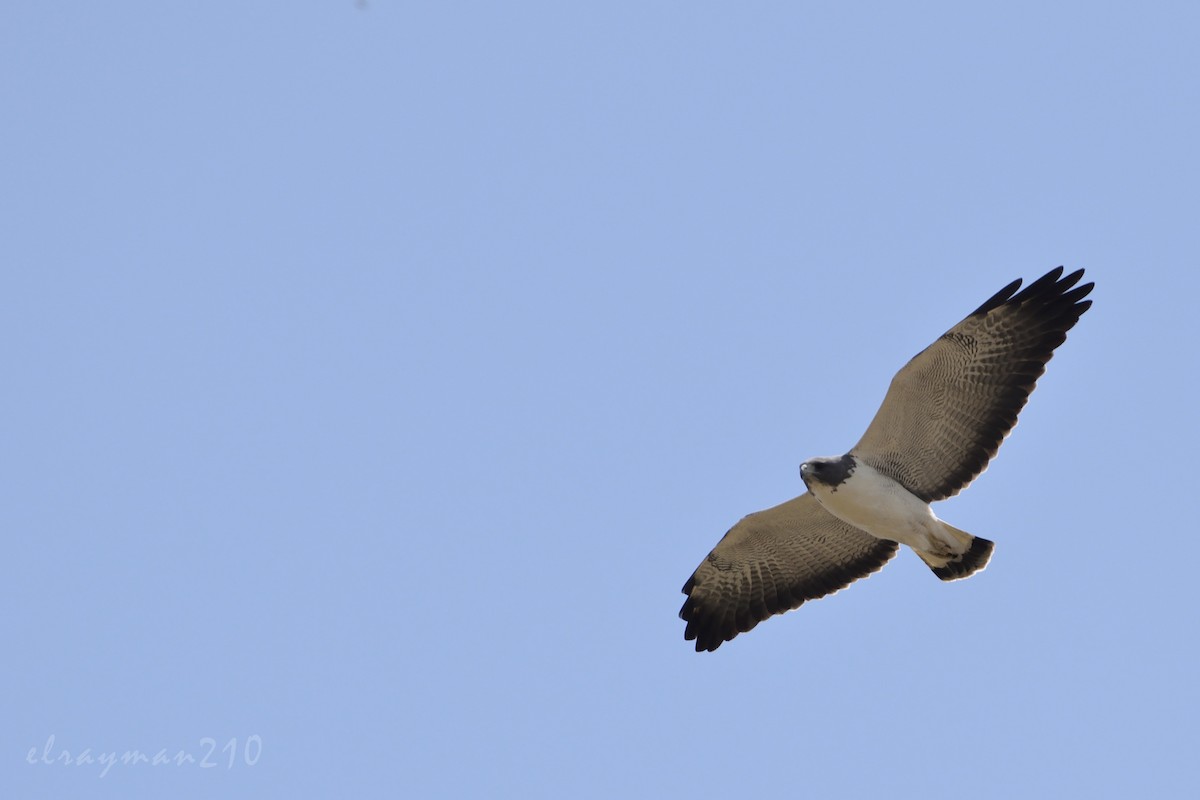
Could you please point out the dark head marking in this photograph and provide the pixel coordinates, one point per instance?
(831, 472)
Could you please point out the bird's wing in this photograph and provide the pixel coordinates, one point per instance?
(771, 562)
(947, 411)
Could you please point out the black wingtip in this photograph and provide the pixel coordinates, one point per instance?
(1051, 287)
(998, 299)
(700, 629)
(1070, 280)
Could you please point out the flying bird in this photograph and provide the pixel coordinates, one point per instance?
(943, 418)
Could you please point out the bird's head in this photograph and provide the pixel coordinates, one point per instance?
(829, 471)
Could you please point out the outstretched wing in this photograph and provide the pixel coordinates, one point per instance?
(771, 562)
(950, 407)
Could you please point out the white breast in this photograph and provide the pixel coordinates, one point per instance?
(873, 502)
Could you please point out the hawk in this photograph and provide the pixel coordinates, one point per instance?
(943, 418)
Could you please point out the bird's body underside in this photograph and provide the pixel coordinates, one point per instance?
(943, 418)
(865, 498)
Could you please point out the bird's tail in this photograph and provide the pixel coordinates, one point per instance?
(953, 567)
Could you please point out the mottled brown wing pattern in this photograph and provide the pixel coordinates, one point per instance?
(948, 410)
(771, 562)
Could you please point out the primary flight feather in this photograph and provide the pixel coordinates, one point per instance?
(943, 418)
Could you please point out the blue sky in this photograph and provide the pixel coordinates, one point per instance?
(376, 376)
